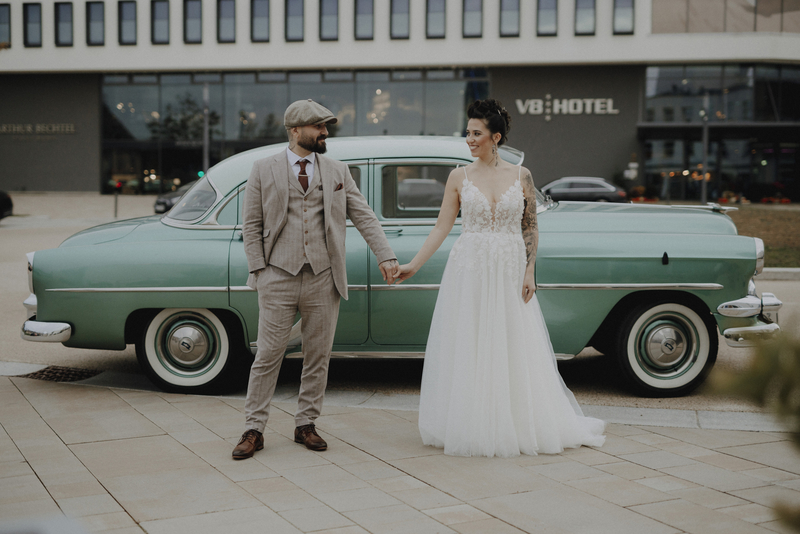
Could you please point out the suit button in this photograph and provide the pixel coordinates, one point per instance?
(306, 242)
(306, 231)
(306, 220)
(305, 209)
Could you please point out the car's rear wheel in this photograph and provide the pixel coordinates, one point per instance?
(186, 350)
(666, 349)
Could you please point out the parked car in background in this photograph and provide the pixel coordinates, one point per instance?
(165, 201)
(585, 188)
(649, 286)
(6, 205)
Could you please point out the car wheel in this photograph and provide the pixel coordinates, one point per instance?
(666, 349)
(186, 350)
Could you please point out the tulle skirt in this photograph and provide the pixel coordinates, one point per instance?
(490, 384)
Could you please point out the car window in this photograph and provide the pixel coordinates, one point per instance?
(413, 191)
(559, 188)
(195, 202)
(587, 185)
(355, 172)
(228, 215)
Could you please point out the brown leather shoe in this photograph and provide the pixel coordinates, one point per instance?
(252, 441)
(307, 435)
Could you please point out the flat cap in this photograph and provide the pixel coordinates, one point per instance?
(305, 112)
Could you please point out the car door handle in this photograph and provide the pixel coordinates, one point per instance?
(393, 231)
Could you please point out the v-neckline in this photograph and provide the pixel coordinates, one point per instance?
(492, 209)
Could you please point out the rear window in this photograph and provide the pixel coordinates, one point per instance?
(195, 202)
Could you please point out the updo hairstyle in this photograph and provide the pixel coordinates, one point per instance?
(494, 115)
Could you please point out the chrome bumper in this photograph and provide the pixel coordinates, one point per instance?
(751, 306)
(45, 332)
(748, 336)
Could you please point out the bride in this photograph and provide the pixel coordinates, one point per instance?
(490, 385)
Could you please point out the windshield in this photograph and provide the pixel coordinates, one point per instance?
(195, 202)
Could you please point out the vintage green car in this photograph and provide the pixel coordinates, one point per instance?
(646, 285)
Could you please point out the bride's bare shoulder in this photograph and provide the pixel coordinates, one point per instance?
(526, 178)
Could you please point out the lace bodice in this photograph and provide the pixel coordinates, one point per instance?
(477, 215)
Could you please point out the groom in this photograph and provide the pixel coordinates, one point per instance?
(295, 210)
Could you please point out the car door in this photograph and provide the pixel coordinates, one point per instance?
(407, 198)
(352, 327)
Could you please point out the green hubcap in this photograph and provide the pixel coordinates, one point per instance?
(666, 345)
(187, 344)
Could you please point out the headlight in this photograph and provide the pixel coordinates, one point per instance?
(759, 255)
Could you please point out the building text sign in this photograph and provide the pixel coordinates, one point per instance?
(549, 106)
(37, 129)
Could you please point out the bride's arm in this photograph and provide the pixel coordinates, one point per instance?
(444, 223)
(530, 234)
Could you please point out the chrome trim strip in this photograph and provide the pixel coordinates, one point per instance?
(414, 222)
(708, 287)
(45, 332)
(749, 336)
(30, 303)
(241, 288)
(744, 307)
(407, 287)
(349, 288)
(194, 226)
(299, 354)
(357, 288)
(759, 255)
(201, 289)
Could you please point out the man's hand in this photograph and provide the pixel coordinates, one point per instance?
(389, 270)
(404, 272)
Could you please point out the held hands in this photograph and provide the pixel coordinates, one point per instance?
(528, 286)
(389, 271)
(404, 272)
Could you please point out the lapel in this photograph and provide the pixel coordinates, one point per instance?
(281, 163)
(326, 178)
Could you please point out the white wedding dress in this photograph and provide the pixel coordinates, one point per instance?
(490, 385)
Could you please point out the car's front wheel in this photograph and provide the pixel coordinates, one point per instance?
(666, 349)
(186, 350)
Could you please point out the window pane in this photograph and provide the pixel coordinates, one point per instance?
(329, 20)
(337, 96)
(364, 16)
(584, 17)
(435, 22)
(5, 24)
(254, 110)
(33, 24)
(226, 11)
(509, 18)
(95, 15)
(413, 191)
(259, 20)
(623, 16)
(547, 18)
(193, 21)
(669, 16)
(473, 18)
(63, 24)
(294, 20)
(400, 19)
(160, 14)
(127, 22)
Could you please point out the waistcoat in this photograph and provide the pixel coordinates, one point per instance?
(302, 239)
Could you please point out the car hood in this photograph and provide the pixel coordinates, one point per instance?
(594, 217)
(107, 232)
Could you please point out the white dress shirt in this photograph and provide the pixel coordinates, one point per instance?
(293, 161)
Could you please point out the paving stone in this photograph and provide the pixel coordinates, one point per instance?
(317, 518)
(565, 471)
(629, 471)
(778, 454)
(752, 513)
(695, 519)
(459, 513)
(666, 483)
(708, 497)
(657, 459)
(770, 495)
(357, 499)
(619, 491)
(248, 520)
(714, 477)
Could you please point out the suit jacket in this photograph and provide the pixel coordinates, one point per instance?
(266, 213)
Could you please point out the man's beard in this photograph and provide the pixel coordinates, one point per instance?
(313, 144)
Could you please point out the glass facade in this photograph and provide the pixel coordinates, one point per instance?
(153, 124)
(435, 19)
(707, 16)
(32, 24)
(95, 24)
(584, 17)
(259, 21)
(400, 19)
(63, 11)
(328, 20)
(294, 20)
(509, 18)
(750, 152)
(5, 25)
(546, 17)
(127, 23)
(365, 13)
(226, 21)
(159, 22)
(192, 21)
(473, 18)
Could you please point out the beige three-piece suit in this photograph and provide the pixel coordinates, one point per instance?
(298, 239)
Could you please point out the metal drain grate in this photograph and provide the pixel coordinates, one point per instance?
(55, 373)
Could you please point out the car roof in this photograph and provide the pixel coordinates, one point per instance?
(581, 179)
(234, 170)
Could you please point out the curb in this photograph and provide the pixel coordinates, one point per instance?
(779, 273)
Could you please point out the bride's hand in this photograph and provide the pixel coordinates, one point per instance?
(404, 273)
(528, 287)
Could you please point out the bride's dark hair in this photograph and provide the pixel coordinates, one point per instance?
(494, 114)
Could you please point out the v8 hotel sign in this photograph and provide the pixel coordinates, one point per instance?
(550, 106)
